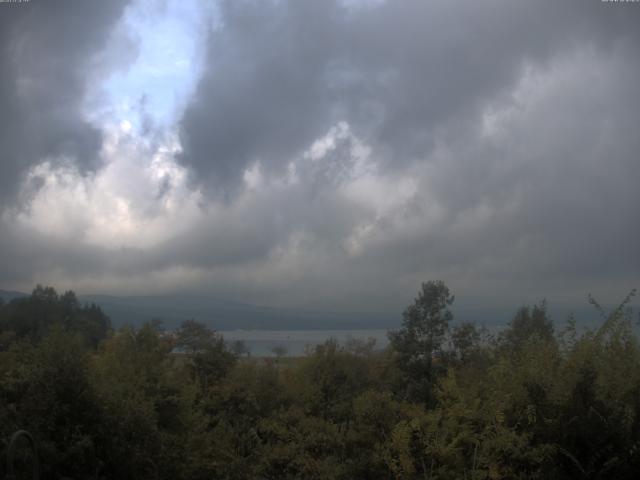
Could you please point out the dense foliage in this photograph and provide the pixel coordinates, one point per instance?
(442, 402)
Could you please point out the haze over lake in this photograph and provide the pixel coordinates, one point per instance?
(261, 343)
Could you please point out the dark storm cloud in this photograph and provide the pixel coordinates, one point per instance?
(502, 142)
(45, 47)
(548, 202)
(279, 74)
(553, 197)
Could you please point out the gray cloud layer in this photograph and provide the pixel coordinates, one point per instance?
(279, 74)
(552, 196)
(501, 154)
(45, 47)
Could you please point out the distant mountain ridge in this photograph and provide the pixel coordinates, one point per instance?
(8, 295)
(224, 314)
(220, 314)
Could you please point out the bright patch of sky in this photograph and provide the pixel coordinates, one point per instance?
(149, 67)
(169, 37)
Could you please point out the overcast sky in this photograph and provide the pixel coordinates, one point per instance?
(322, 154)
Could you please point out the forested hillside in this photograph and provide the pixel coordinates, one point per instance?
(445, 400)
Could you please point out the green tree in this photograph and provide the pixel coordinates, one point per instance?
(330, 378)
(279, 351)
(145, 402)
(465, 340)
(240, 348)
(208, 357)
(425, 324)
(527, 323)
(47, 390)
(33, 317)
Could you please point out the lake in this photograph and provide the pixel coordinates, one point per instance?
(262, 342)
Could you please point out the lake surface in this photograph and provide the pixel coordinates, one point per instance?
(262, 342)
